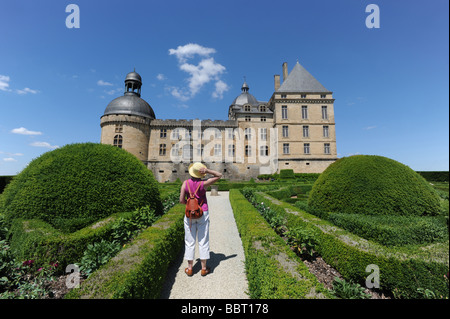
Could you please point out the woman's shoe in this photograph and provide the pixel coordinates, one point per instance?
(189, 272)
(206, 271)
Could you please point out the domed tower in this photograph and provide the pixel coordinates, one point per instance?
(246, 106)
(126, 120)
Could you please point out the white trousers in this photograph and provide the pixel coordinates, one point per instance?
(193, 228)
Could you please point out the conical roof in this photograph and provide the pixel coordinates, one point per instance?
(300, 80)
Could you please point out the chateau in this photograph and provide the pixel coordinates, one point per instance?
(295, 130)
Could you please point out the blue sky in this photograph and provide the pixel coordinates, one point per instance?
(390, 83)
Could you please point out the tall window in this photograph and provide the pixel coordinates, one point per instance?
(163, 133)
(305, 131)
(284, 114)
(324, 113)
(175, 150)
(264, 150)
(285, 148)
(326, 148)
(217, 149)
(162, 149)
(118, 141)
(325, 131)
(304, 112)
(306, 148)
(263, 133)
(248, 150)
(285, 131)
(248, 133)
(231, 150)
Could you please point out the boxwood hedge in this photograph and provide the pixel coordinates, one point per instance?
(373, 185)
(78, 184)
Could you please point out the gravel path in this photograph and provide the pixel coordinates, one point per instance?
(227, 279)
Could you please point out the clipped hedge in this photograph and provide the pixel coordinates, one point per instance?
(38, 240)
(435, 176)
(273, 270)
(402, 270)
(373, 185)
(78, 184)
(139, 270)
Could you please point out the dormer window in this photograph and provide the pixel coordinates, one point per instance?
(247, 108)
(262, 108)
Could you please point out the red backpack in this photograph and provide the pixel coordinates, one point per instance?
(193, 208)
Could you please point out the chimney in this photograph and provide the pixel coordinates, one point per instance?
(277, 81)
(285, 71)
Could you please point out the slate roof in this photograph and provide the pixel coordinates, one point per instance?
(300, 80)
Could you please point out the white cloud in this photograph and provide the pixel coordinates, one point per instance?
(26, 91)
(207, 70)
(184, 52)
(161, 77)
(179, 94)
(24, 131)
(9, 159)
(4, 83)
(44, 144)
(221, 87)
(104, 83)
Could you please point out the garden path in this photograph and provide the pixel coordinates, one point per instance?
(227, 279)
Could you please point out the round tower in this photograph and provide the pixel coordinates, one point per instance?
(126, 120)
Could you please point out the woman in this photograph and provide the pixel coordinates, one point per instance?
(198, 226)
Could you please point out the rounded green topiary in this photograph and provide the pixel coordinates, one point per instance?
(373, 185)
(78, 184)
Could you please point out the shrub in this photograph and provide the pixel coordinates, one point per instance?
(78, 184)
(373, 185)
(286, 173)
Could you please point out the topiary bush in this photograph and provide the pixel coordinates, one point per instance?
(373, 185)
(78, 184)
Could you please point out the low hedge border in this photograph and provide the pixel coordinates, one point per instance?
(38, 240)
(273, 270)
(402, 270)
(139, 270)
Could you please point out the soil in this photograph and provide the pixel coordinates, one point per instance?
(57, 288)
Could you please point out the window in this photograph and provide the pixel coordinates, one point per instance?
(175, 134)
(284, 114)
(324, 113)
(217, 134)
(325, 131)
(162, 149)
(163, 133)
(248, 133)
(263, 118)
(231, 150)
(303, 96)
(285, 131)
(262, 108)
(230, 134)
(248, 118)
(175, 149)
(187, 152)
(326, 148)
(247, 108)
(306, 148)
(305, 131)
(217, 149)
(200, 149)
(119, 128)
(285, 148)
(283, 96)
(323, 96)
(264, 150)
(304, 112)
(248, 150)
(118, 141)
(263, 134)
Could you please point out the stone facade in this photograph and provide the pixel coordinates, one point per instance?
(295, 130)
